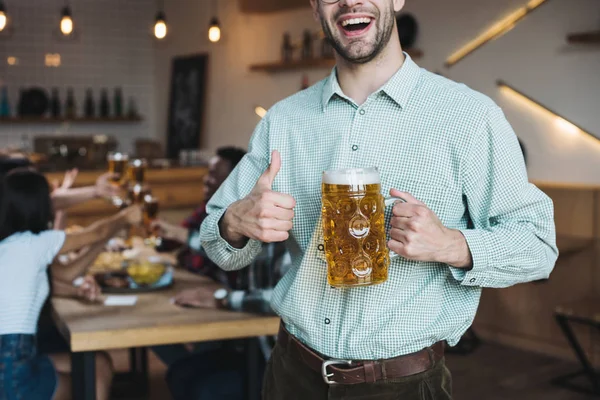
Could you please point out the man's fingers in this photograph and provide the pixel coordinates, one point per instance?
(409, 198)
(283, 214)
(270, 224)
(284, 200)
(406, 210)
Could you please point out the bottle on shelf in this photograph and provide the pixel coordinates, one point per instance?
(118, 102)
(70, 107)
(55, 104)
(4, 104)
(104, 106)
(287, 49)
(307, 45)
(90, 108)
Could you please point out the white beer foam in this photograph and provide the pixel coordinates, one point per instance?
(351, 177)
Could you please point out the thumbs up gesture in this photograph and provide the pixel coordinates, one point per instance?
(263, 215)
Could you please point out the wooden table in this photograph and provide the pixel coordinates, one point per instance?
(153, 320)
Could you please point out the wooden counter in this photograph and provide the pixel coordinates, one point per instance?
(179, 191)
(523, 315)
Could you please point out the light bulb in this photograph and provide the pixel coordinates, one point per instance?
(160, 26)
(260, 111)
(160, 29)
(214, 31)
(2, 20)
(66, 23)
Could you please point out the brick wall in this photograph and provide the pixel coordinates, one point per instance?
(113, 48)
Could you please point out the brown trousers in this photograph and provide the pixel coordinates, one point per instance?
(287, 378)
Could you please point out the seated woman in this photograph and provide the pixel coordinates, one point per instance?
(27, 246)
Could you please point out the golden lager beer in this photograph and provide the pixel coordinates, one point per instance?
(137, 171)
(354, 233)
(117, 165)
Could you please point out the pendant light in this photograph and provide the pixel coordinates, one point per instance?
(66, 22)
(3, 18)
(214, 29)
(160, 24)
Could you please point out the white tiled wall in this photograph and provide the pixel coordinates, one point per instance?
(113, 48)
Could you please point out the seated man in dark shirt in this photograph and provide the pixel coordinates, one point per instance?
(191, 256)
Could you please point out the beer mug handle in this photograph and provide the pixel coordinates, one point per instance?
(391, 200)
(388, 201)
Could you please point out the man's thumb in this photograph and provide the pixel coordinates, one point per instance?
(270, 173)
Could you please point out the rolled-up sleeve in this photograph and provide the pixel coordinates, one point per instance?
(238, 185)
(512, 238)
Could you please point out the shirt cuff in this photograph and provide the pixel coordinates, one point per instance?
(478, 246)
(220, 251)
(236, 299)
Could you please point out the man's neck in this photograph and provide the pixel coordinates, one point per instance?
(359, 81)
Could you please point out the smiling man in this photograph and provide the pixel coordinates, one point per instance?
(470, 220)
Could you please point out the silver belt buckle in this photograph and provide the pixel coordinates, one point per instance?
(326, 364)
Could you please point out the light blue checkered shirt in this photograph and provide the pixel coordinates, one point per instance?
(449, 146)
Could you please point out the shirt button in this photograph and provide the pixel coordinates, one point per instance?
(327, 321)
(321, 247)
(472, 280)
(354, 147)
(362, 112)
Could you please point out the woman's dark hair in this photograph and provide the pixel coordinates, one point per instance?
(8, 163)
(25, 203)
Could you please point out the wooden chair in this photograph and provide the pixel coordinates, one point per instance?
(584, 312)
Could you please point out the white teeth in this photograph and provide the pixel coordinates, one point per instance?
(355, 21)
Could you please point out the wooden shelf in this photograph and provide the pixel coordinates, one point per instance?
(315, 63)
(84, 120)
(584, 38)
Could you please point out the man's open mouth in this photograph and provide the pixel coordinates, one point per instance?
(356, 26)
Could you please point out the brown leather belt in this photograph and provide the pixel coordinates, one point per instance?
(361, 371)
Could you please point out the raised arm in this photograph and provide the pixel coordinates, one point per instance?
(102, 230)
(245, 211)
(63, 199)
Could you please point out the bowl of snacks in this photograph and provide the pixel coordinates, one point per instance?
(146, 272)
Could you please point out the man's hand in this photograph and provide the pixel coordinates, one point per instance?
(418, 234)
(167, 230)
(104, 187)
(263, 215)
(203, 296)
(89, 290)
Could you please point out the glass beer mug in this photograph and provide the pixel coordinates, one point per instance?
(353, 227)
(117, 166)
(137, 171)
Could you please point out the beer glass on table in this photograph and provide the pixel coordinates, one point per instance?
(354, 231)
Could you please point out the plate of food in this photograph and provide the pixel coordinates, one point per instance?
(132, 270)
(136, 277)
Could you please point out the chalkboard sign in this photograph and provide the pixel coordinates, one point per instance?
(186, 106)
